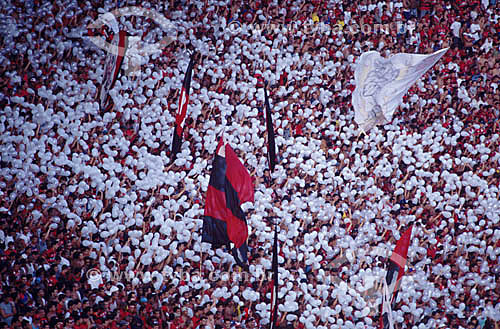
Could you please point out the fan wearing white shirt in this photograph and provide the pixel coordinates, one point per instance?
(363, 6)
(455, 30)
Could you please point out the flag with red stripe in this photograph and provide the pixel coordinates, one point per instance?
(180, 117)
(395, 271)
(113, 65)
(230, 186)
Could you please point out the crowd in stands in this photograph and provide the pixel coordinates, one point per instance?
(100, 229)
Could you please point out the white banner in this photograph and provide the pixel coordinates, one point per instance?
(381, 84)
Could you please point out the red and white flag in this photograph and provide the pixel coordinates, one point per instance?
(180, 118)
(395, 272)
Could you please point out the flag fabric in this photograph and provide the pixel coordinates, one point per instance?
(381, 84)
(113, 64)
(395, 271)
(387, 321)
(274, 289)
(240, 255)
(122, 50)
(180, 117)
(271, 147)
(230, 186)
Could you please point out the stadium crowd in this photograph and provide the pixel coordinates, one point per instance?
(99, 229)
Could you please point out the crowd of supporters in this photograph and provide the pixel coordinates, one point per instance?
(99, 229)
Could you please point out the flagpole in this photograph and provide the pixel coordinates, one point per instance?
(274, 290)
(271, 152)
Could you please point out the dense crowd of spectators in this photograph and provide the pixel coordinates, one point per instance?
(99, 229)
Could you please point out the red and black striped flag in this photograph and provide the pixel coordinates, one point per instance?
(395, 271)
(180, 117)
(113, 64)
(271, 147)
(230, 186)
(274, 291)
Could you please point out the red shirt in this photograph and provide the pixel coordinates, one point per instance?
(196, 321)
(298, 130)
(431, 251)
(425, 5)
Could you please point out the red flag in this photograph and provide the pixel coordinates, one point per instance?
(112, 65)
(400, 253)
(230, 186)
(395, 271)
(180, 118)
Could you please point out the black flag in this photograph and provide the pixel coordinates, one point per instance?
(274, 291)
(271, 147)
(180, 118)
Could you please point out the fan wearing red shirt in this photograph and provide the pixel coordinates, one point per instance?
(298, 129)
(425, 7)
(198, 313)
(81, 323)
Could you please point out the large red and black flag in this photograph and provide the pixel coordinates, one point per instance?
(395, 271)
(271, 147)
(180, 117)
(230, 186)
(274, 288)
(112, 66)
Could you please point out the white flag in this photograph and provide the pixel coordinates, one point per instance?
(381, 84)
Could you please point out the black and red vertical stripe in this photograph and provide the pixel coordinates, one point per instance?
(180, 117)
(113, 65)
(230, 185)
(395, 272)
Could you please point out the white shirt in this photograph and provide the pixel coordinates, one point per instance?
(475, 28)
(455, 27)
(487, 45)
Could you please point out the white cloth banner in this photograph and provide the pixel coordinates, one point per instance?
(381, 84)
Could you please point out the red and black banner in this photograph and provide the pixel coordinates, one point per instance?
(274, 291)
(395, 271)
(113, 64)
(180, 117)
(271, 147)
(230, 186)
